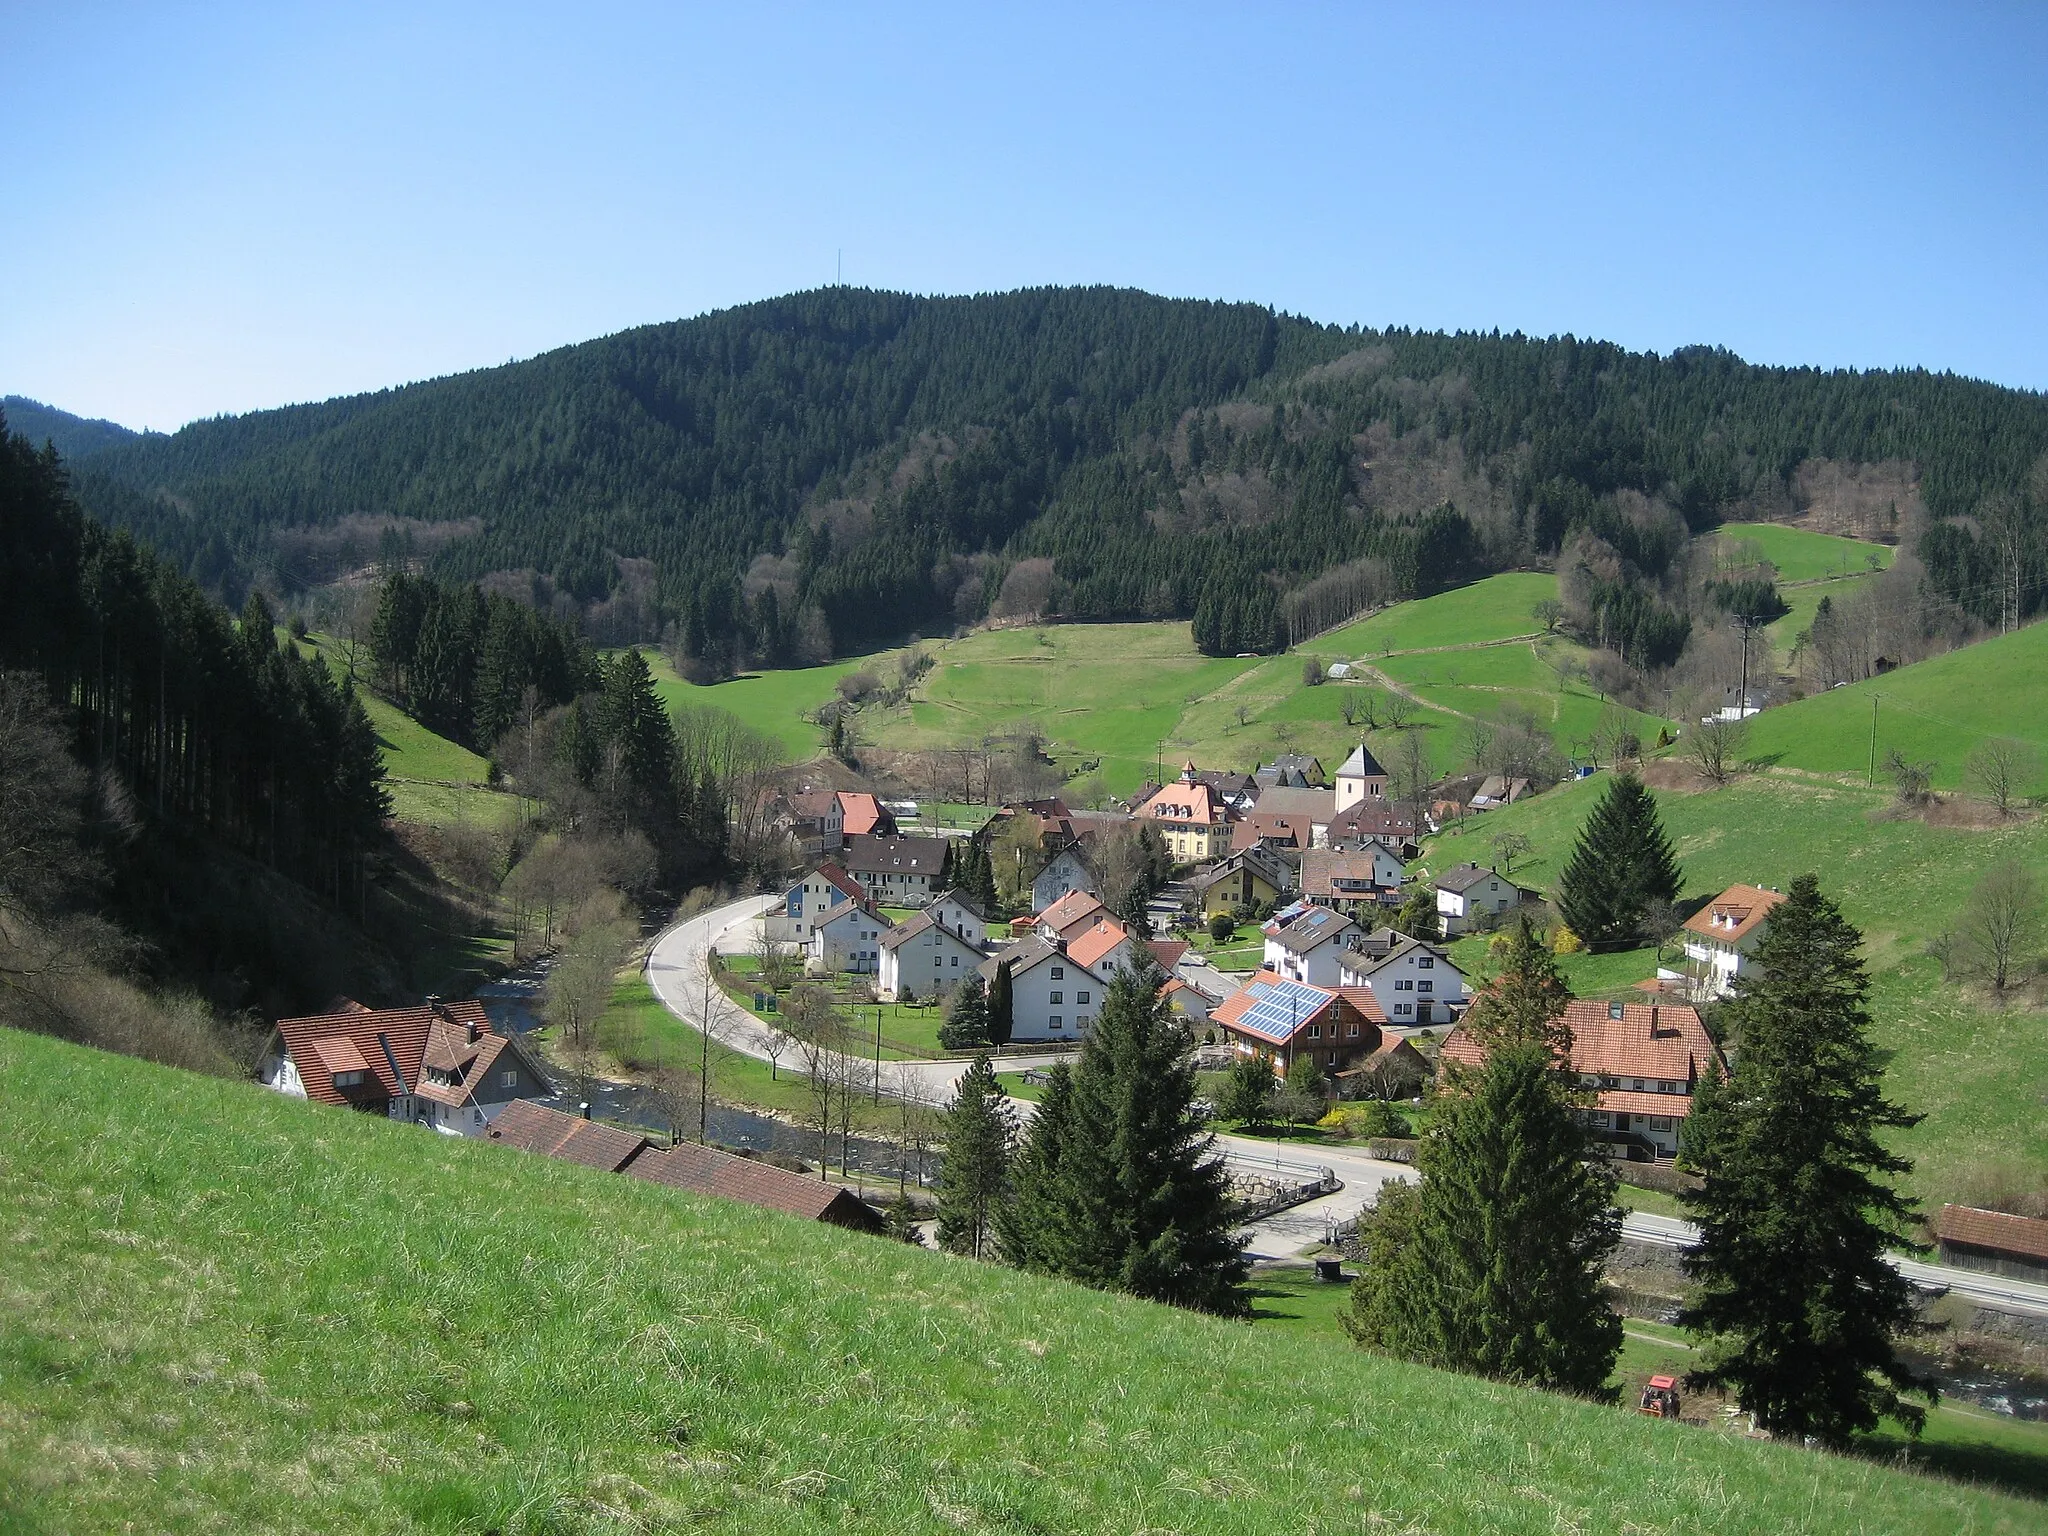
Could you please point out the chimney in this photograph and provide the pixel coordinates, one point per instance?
(475, 1033)
(585, 1107)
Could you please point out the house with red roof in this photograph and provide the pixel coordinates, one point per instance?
(440, 1065)
(1192, 817)
(1071, 914)
(862, 815)
(1721, 938)
(1641, 1061)
(1276, 1016)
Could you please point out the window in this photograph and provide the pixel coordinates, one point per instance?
(1054, 1022)
(1354, 1031)
(1660, 1122)
(956, 962)
(1059, 973)
(1425, 964)
(1425, 986)
(1403, 1008)
(1315, 1031)
(1058, 997)
(347, 1079)
(1081, 997)
(1404, 985)
(508, 1079)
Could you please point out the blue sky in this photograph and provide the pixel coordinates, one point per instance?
(218, 208)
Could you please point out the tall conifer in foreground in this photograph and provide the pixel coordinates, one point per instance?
(1798, 1308)
(1028, 1227)
(1622, 865)
(1493, 1265)
(1133, 1195)
(974, 1174)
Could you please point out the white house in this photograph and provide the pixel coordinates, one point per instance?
(847, 939)
(1107, 947)
(1721, 938)
(1470, 897)
(897, 871)
(1052, 995)
(1358, 880)
(953, 910)
(926, 957)
(1307, 943)
(805, 904)
(1360, 778)
(440, 1066)
(1415, 983)
(1067, 872)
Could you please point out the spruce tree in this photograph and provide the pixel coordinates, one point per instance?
(1525, 1003)
(1419, 917)
(1623, 863)
(1140, 1200)
(1132, 910)
(974, 1172)
(1494, 1265)
(1796, 1305)
(1000, 1010)
(1028, 1227)
(966, 1026)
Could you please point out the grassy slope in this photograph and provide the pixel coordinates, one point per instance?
(1980, 1075)
(1494, 609)
(230, 1310)
(1934, 711)
(773, 702)
(1802, 555)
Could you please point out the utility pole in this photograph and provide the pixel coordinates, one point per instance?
(1871, 781)
(878, 1053)
(704, 1046)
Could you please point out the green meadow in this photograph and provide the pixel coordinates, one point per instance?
(1498, 608)
(1980, 1074)
(1802, 555)
(228, 1310)
(1935, 712)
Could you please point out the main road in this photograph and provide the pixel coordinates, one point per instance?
(677, 972)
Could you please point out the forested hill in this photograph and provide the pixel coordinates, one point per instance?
(836, 468)
(75, 436)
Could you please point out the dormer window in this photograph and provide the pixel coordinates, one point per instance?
(347, 1079)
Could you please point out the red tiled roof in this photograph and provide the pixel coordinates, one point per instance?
(313, 1040)
(1629, 1102)
(1072, 908)
(1664, 1041)
(1097, 942)
(833, 872)
(1189, 805)
(2021, 1236)
(533, 1127)
(708, 1171)
(860, 813)
(1259, 826)
(1735, 914)
(1168, 952)
(1365, 1002)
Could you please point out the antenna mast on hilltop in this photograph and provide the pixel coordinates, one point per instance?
(839, 268)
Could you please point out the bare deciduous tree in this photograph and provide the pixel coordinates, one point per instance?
(1998, 936)
(2002, 768)
(1717, 748)
(1508, 847)
(1912, 782)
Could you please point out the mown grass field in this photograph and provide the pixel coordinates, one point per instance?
(1494, 609)
(1934, 711)
(775, 703)
(1980, 1074)
(1803, 555)
(229, 1310)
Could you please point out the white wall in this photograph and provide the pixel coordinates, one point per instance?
(1033, 1011)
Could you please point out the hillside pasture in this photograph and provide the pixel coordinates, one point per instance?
(1497, 608)
(1935, 711)
(1801, 554)
(1979, 1074)
(234, 1311)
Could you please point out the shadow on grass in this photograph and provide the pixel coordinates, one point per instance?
(2013, 1468)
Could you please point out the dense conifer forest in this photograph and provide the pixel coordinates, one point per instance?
(823, 472)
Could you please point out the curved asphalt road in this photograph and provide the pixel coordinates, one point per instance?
(676, 972)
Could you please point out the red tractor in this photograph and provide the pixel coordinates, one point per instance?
(1660, 1398)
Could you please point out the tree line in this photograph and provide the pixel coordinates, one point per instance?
(831, 469)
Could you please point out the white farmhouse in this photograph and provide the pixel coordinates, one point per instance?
(1470, 897)
(820, 894)
(1414, 982)
(848, 939)
(1052, 995)
(1067, 871)
(925, 957)
(1721, 938)
(1307, 943)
